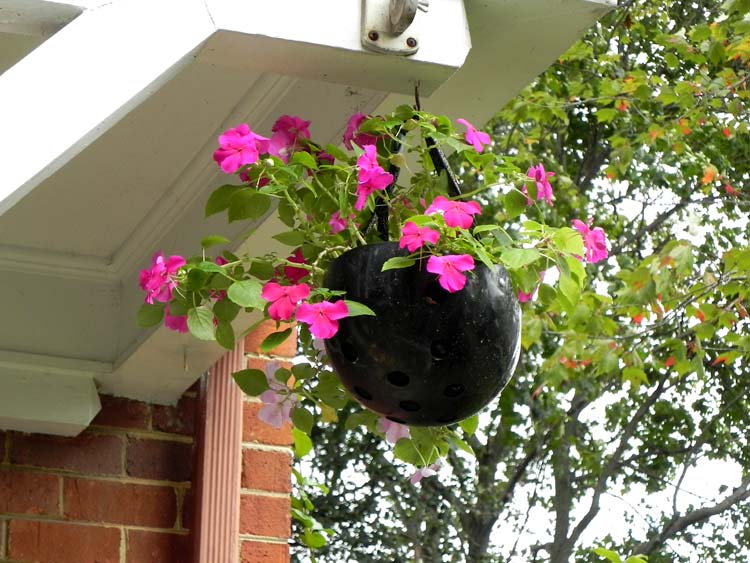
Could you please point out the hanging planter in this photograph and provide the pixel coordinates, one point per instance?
(393, 282)
(428, 357)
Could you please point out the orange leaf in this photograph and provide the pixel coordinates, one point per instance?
(709, 174)
(700, 315)
(727, 133)
(638, 319)
(670, 361)
(720, 360)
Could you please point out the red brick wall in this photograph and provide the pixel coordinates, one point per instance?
(266, 470)
(118, 493)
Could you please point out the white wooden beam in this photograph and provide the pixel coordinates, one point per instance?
(47, 395)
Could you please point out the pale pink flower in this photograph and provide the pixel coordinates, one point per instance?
(371, 176)
(175, 322)
(322, 317)
(393, 430)
(456, 213)
(278, 401)
(414, 237)
(338, 223)
(159, 280)
(287, 131)
(423, 472)
(475, 138)
(449, 268)
(295, 274)
(284, 299)
(543, 187)
(238, 147)
(352, 132)
(595, 241)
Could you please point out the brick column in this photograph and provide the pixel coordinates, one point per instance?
(266, 467)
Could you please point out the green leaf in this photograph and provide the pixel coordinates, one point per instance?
(225, 335)
(610, 555)
(568, 240)
(302, 443)
(213, 240)
(462, 445)
(303, 419)
(606, 115)
(303, 371)
(291, 238)
(248, 204)
(219, 199)
(246, 293)
(151, 315)
(484, 228)
(274, 339)
(469, 425)
(337, 153)
(515, 203)
(406, 451)
(515, 258)
(226, 310)
(314, 539)
(397, 262)
(305, 159)
(201, 323)
(253, 382)
(286, 213)
(211, 267)
(357, 309)
(570, 289)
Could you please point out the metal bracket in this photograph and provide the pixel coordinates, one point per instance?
(392, 26)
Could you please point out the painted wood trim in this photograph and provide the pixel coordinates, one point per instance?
(221, 464)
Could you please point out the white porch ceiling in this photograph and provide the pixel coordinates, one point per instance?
(108, 126)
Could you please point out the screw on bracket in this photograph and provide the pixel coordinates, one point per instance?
(411, 42)
(373, 35)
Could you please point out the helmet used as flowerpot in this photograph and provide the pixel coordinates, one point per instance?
(428, 357)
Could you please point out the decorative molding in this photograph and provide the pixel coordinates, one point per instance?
(221, 464)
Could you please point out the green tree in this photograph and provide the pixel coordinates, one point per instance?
(645, 124)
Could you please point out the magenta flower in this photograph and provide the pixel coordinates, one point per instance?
(239, 146)
(449, 268)
(295, 274)
(543, 187)
(322, 317)
(371, 176)
(287, 131)
(393, 430)
(456, 213)
(338, 223)
(414, 237)
(423, 472)
(159, 280)
(284, 299)
(325, 158)
(475, 138)
(175, 322)
(352, 134)
(595, 241)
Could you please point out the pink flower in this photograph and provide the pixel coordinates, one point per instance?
(295, 274)
(393, 430)
(351, 133)
(456, 213)
(284, 299)
(543, 187)
(239, 146)
(287, 131)
(159, 280)
(595, 241)
(175, 322)
(322, 317)
(423, 472)
(338, 223)
(475, 138)
(449, 268)
(414, 237)
(371, 176)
